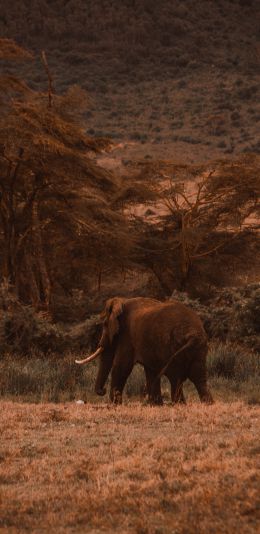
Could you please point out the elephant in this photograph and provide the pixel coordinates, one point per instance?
(166, 338)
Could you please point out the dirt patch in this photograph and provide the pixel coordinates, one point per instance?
(132, 468)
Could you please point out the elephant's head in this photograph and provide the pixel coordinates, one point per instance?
(106, 347)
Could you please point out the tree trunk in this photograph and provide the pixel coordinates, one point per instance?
(185, 254)
(29, 283)
(43, 282)
(166, 278)
(8, 224)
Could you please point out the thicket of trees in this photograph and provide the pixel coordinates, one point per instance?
(60, 217)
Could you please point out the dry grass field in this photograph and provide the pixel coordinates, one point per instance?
(98, 468)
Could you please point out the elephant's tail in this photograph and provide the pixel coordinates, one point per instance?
(187, 345)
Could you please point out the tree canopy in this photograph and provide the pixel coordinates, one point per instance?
(205, 214)
(56, 204)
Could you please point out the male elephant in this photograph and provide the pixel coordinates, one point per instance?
(167, 338)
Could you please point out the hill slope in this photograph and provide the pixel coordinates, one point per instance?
(174, 34)
(181, 73)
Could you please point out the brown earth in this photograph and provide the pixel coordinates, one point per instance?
(97, 468)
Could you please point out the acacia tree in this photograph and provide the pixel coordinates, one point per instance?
(203, 210)
(54, 198)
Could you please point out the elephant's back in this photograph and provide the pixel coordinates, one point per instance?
(180, 314)
(167, 322)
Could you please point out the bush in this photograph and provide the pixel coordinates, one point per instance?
(24, 330)
(232, 361)
(85, 335)
(232, 315)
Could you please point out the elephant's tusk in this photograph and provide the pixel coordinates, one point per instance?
(91, 357)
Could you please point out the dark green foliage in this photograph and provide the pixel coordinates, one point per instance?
(233, 314)
(84, 336)
(233, 361)
(22, 329)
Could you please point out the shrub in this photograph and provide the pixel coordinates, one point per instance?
(85, 335)
(247, 93)
(232, 361)
(24, 330)
(232, 315)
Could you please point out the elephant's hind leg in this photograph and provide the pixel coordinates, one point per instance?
(153, 385)
(198, 375)
(177, 394)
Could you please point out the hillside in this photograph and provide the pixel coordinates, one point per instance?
(175, 78)
(175, 35)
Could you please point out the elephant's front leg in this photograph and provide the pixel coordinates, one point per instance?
(119, 376)
(153, 385)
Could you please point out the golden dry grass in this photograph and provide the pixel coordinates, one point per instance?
(99, 468)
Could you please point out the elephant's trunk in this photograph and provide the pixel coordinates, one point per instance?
(103, 372)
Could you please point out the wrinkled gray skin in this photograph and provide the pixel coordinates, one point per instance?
(167, 338)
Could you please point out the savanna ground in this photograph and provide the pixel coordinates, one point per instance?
(70, 462)
(98, 468)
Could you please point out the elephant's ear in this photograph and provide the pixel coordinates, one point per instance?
(114, 308)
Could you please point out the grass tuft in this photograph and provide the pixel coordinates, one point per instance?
(233, 361)
(46, 379)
